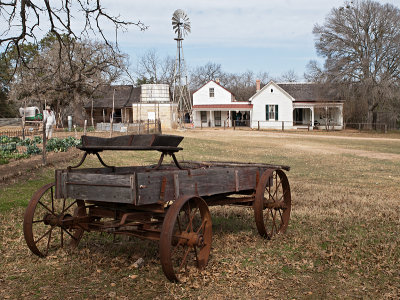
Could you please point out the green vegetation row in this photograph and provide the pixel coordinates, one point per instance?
(9, 150)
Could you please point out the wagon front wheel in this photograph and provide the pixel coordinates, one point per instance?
(272, 203)
(49, 222)
(186, 235)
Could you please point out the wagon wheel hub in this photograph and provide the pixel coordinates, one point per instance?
(192, 239)
(60, 220)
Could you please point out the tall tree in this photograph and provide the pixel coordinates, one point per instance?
(361, 46)
(85, 67)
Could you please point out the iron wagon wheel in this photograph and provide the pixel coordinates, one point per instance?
(48, 222)
(186, 235)
(272, 203)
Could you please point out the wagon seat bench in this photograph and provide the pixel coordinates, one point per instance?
(162, 202)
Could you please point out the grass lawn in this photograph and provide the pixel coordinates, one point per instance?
(342, 240)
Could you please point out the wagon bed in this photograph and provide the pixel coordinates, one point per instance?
(164, 202)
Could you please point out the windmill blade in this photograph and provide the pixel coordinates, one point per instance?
(180, 22)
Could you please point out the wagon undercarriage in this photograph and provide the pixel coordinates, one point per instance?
(165, 203)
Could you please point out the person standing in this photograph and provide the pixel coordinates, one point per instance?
(49, 120)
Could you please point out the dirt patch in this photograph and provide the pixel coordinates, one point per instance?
(20, 168)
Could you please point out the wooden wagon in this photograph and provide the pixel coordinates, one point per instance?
(162, 202)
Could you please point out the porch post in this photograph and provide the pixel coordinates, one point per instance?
(229, 118)
(341, 116)
(312, 117)
(211, 120)
(250, 118)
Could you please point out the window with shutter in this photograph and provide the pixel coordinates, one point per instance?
(271, 112)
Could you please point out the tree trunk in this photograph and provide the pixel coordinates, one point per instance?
(78, 109)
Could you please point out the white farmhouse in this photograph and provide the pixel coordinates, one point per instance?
(295, 105)
(215, 106)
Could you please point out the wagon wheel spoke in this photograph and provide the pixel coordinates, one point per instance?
(273, 215)
(50, 211)
(69, 206)
(46, 233)
(184, 259)
(52, 200)
(203, 224)
(62, 237)
(67, 232)
(48, 242)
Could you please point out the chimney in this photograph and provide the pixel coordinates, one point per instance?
(217, 80)
(258, 85)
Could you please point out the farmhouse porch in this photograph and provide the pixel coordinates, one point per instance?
(318, 115)
(221, 115)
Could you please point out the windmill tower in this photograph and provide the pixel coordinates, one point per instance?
(181, 93)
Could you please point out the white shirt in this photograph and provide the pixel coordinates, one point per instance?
(49, 117)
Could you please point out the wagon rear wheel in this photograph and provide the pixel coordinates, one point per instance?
(186, 235)
(272, 203)
(48, 222)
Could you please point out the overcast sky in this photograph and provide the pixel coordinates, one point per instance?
(271, 36)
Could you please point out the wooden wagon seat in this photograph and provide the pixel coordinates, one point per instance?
(167, 144)
(159, 142)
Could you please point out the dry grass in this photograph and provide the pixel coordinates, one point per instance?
(342, 240)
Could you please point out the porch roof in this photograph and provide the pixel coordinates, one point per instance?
(235, 106)
(306, 104)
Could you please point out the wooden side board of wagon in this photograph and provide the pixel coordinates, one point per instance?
(167, 203)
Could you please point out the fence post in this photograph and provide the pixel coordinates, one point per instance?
(44, 144)
(201, 124)
(84, 127)
(258, 125)
(359, 126)
(234, 124)
(148, 126)
(385, 128)
(308, 127)
(283, 126)
(224, 124)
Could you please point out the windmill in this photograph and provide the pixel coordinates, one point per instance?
(181, 93)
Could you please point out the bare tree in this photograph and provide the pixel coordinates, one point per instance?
(24, 20)
(243, 85)
(314, 72)
(289, 76)
(361, 46)
(202, 74)
(151, 68)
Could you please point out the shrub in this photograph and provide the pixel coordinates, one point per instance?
(61, 145)
(33, 149)
(10, 147)
(25, 142)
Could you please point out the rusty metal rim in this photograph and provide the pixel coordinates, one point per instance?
(28, 227)
(262, 214)
(167, 232)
